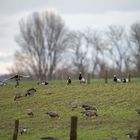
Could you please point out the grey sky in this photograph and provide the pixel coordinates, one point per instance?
(77, 14)
(69, 6)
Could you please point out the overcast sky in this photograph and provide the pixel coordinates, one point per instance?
(77, 14)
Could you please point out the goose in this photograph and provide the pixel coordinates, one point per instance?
(52, 114)
(117, 79)
(43, 83)
(24, 131)
(30, 91)
(30, 112)
(17, 78)
(69, 81)
(80, 76)
(17, 96)
(88, 107)
(89, 113)
(83, 80)
(125, 80)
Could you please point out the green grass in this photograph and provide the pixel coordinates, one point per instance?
(116, 104)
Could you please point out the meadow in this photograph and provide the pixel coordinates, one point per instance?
(115, 103)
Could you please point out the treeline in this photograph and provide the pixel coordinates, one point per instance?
(49, 50)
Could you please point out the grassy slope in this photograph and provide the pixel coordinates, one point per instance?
(116, 104)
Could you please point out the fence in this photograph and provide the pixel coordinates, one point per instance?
(73, 129)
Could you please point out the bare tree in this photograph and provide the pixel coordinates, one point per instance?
(135, 35)
(56, 40)
(119, 43)
(79, 47)
(128, 58)
(31, 57)
(42, 40)
(98, 46)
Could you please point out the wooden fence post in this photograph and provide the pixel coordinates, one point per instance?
(88, 78)
(138, 138)
(73, 131)
(106, 76)
(62, 77)
(16, 130)
(129, 77)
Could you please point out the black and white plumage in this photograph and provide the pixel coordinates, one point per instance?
(30, 91)
(88, 107)
(17, 96)
(80, 76)
(118, 80)
(24, 131)
(83, 81)
(89, 113)
(30, 112)
(43, 83)
(52, 114)
(17, 78)
(69, 82)
(124, 80)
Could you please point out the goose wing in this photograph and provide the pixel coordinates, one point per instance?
(24, 76)
(8, 79)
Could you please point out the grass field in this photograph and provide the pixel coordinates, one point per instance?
(116, 104)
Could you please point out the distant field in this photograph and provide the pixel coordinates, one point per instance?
(116, 104)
